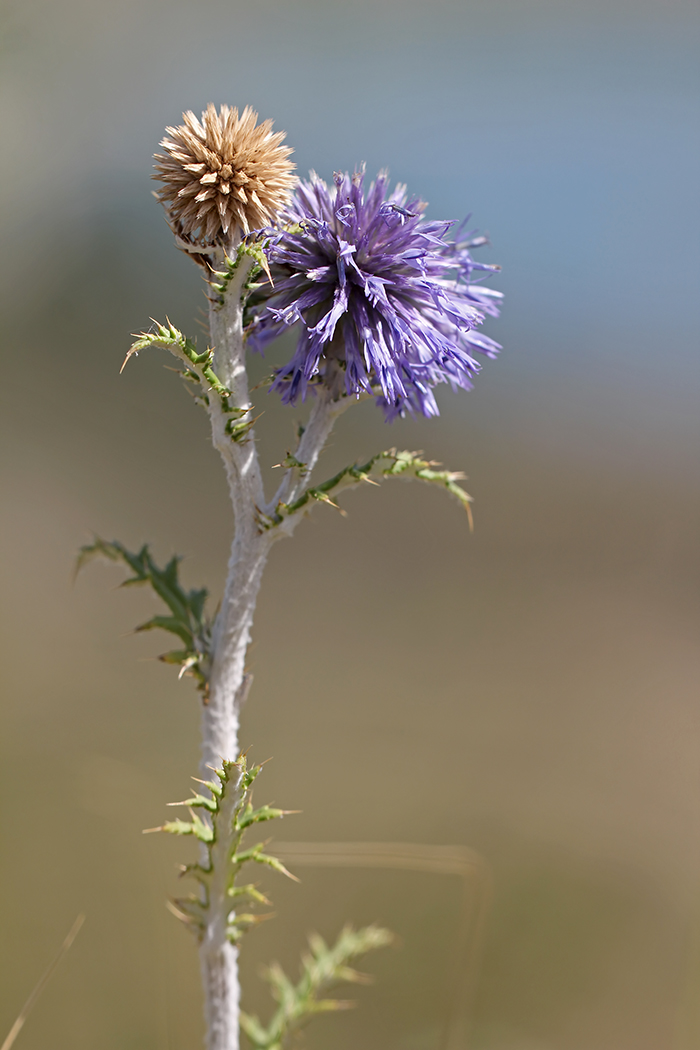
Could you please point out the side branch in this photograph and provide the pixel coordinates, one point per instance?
(312, 439)
(389, 464)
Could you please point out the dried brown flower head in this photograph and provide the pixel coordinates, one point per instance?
(221, 173)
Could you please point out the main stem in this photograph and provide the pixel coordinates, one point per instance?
(228, 679)
(220, 716)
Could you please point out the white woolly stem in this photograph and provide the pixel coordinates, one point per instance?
(249, 549)
(228, 680)
(218, 957)
(322, 419)
(229, 683)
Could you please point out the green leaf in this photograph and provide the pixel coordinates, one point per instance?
(391, 463)
(176, 656)
(177, 827)
(187, 619)
(196, 365)
(324, 1006)
(196, 827)
(251, 891)
(258, 857)
(282, 988)
(167, 623)
(227, 833)
(321, 969)
(253, 1029)
(253, 816)
(243, 921)
(198, 801)
(249, 249)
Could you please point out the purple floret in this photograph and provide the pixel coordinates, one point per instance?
(382, 300)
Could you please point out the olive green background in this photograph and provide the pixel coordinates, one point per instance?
(529, 691)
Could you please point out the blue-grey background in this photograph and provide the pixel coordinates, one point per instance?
(530, 691)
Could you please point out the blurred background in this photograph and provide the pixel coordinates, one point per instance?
(529, 691)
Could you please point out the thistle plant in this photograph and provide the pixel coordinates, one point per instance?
(386, 305)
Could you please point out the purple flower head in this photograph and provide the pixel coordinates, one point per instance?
(383, 301)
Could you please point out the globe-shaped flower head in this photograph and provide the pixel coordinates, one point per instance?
(222, 174)
(383, 301)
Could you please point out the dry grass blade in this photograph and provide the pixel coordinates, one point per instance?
(41, 984)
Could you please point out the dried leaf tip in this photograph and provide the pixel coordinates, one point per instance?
(222, 174)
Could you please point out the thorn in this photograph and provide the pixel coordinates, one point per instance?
(132, 353)
(149, 831)
(177, 913)
(263, 382)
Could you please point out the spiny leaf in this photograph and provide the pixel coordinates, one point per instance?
(166, 623)
(324, 1006)
(253, 816)
(214, 786)
(238, 428)
(283, 991)
(250, 891)
(253, 1029)
(258, 857)
(222, 836)
(291, 461)
(166, 336)
(198, 367)
(390, 463)
(195, 827)
(244, 921)
(198, 801)
(177, 656)
(251, 249)
(187, 608)
(321, 968)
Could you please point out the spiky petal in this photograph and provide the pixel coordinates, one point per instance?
(222, 173)
(377, 292)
